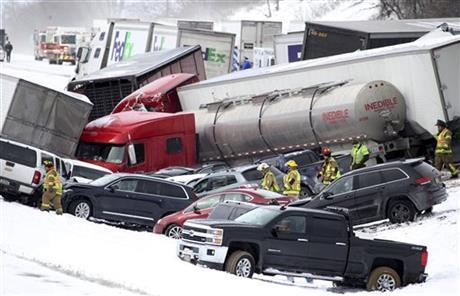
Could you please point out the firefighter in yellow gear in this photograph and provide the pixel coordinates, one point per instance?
(292, 180)
(359, 155)
(443, 152)
(52, 189)
(269, 180)
(330, 169)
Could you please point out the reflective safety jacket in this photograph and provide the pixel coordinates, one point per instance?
(444, 140)
(330, 170)
(53, 181)
(269, 182)
(292, 183)
(358, 153)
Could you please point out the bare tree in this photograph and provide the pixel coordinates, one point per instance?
(404, 9)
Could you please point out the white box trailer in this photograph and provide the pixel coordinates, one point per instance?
(121, 39)
(42, 117)
(217, 48)
(288, 47)
(426, 72)
(257, 34)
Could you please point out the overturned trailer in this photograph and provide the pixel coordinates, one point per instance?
(42, 117)
(426, 73)
(107, 87)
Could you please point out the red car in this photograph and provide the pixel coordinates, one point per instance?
(171, 225)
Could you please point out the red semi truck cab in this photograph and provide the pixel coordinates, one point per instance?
(139, 142)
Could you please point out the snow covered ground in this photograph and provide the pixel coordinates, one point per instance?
(45, 254)
(24, 66)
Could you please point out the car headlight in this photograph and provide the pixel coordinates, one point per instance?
(216, 236)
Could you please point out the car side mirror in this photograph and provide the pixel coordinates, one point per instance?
(112, 188)
(328, 195)
(196, 210)
(275, 231)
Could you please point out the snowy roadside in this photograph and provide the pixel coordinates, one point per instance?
(144, 263)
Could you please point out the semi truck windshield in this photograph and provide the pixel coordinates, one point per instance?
(101, 152)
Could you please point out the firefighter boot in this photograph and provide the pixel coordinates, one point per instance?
(57, 204)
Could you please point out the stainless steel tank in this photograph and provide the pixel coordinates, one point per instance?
(302, 118)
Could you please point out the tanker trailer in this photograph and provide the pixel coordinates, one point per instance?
(331, 114)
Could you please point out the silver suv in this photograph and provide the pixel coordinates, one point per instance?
(236, 177)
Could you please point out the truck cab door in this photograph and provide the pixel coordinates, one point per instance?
(286, 245)
(328, 245)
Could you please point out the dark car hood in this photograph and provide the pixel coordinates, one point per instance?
(222, 223)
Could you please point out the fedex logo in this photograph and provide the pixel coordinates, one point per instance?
(122, 46)
(212, 55)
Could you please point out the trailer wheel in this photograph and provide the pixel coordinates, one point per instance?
(59, 62)
(240, 263)
(383, 279)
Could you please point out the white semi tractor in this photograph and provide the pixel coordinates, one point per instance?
(422, 78)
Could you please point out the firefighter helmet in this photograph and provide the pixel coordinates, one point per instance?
(327, 151)
(291, 163)
(262, 167)
(48, 163)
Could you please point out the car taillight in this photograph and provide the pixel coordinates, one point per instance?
(423, 180)
(424, 258)
(36, 178)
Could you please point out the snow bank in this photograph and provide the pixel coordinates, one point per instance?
(145, 263)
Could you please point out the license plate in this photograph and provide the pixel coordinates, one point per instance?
(187, 254)
(4, 182)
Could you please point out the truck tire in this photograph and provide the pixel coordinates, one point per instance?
(81, 208)
(240, 263)
(383, 279)
(401, 211)
(173, 231)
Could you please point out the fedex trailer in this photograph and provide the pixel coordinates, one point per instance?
(122, 39)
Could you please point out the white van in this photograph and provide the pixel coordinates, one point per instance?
(22, 169)
(83, 172)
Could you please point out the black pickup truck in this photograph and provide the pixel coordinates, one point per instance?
(297, 242)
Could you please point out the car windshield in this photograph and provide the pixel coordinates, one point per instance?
(102, 152)
(104, 180)
(68, 39)
(88, 173)
(259, 216)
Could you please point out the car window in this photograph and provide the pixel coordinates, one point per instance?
(342, 185)
(201, 186)
(18, 154)
(208, 202)
(393, 175)
(148, 187)
(292, 224)
(237, 197)
(369, 179)
(324, 227)
(126, 185)
(238, 212)
(172, 190)
(46, 157)
(221, 181)
(88, 173)
(252, 175)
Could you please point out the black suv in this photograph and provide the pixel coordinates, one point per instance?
(298, 242)
(129, 198)
(395, 190)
